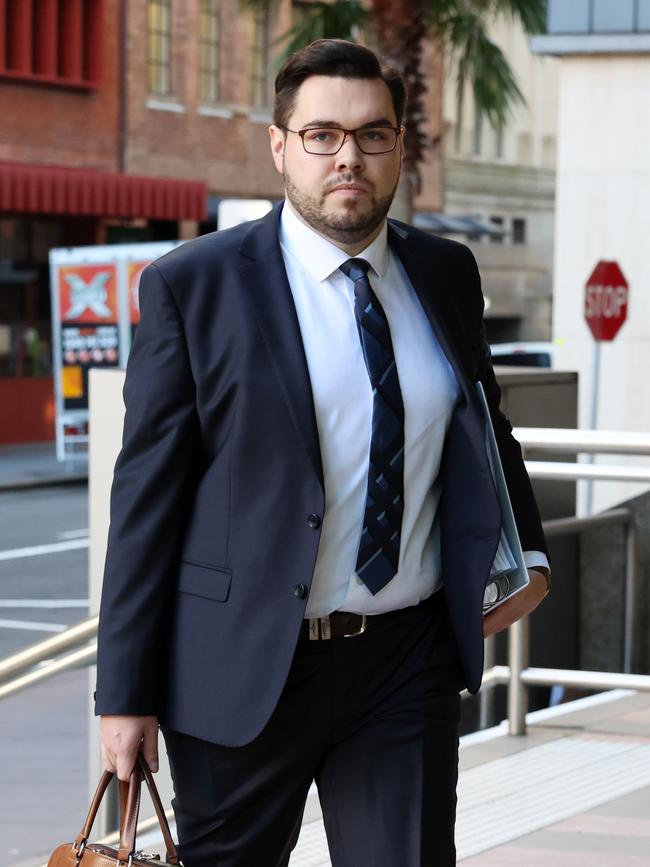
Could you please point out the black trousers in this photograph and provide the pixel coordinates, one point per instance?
(373, 720)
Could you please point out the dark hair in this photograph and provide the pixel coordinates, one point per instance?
(335, 58)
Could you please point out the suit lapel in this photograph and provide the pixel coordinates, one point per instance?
(265, 278)
(430, 289)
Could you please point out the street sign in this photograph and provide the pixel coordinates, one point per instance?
(606, 295)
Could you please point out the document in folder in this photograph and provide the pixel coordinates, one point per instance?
(508, 574)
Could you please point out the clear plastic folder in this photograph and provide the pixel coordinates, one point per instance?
(508, 574)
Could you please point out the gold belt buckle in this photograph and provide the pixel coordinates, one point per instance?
(361, 629)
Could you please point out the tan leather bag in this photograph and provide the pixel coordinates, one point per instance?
(81, 853)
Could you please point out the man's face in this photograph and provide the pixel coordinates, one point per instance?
(344, 196)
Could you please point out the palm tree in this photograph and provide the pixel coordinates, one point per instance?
(397, 29)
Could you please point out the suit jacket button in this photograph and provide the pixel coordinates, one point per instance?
(300, 591)
(313, 521)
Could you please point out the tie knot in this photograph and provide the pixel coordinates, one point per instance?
(355, 269)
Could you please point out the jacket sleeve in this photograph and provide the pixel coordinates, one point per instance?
(152, 485)
(523, 501)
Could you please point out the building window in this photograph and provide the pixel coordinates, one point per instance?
(159, 43)
(209, 37)
(500, 137)
(56, 42)
(260, 58)
(518, 231)
(498, 221)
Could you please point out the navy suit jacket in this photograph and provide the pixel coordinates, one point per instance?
(209, 540)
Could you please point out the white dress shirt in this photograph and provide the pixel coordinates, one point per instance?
(324, 300)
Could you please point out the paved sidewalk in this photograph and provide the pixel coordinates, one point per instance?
(31, 465)
(578, 785)
(574, 792)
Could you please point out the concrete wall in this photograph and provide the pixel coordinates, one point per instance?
(602, 594)
(603, 189)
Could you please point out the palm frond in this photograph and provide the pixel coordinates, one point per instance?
(481, 64)
(531, 13)
(341, 19)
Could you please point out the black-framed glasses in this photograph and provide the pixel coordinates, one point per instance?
(326, 141)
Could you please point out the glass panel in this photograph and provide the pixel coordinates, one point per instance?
(568, 16)
(153, 16)
(644, 15)
(613, 17)
(158, 45)
(165, 16)
(209, 50)
(259, 59)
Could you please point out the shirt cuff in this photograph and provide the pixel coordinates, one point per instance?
(536, 558)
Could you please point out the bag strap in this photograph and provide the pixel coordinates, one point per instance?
(170, 847)
(129, 819)
(129, 809)
(82, 836)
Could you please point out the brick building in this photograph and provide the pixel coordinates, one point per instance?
(127, 120)
(62, 180)
(198, 95)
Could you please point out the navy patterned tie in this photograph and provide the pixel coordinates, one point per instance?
(382, 524)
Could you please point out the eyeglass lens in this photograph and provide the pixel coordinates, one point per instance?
(376, 140)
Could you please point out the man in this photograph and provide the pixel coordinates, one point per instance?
(303, 516)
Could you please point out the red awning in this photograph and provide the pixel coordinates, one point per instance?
(79, 192)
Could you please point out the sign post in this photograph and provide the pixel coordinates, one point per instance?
(606, 297)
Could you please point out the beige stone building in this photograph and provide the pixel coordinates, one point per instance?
(508, 182)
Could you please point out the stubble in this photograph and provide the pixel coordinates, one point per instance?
(348, 227)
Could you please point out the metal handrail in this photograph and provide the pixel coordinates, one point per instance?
(595, 472)
(43, 650)
(20, 665)
(517, 674)
(78, 644)
(85, 656)
(572, 441)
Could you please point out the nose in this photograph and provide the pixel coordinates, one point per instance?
(350, 157)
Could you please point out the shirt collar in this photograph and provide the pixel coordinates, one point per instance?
(321, 257)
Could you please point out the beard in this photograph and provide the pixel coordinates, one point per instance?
(349, 227)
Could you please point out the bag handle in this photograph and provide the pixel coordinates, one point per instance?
(129, 809)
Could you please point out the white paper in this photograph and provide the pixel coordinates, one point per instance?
(508, 574)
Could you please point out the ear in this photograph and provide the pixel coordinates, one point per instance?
(278, 140)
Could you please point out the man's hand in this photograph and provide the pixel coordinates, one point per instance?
(520, 604)
(122, 737)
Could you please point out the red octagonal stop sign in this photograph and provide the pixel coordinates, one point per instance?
(606, 295)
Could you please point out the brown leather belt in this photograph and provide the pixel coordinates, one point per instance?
(338, 624)
(345, 624)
